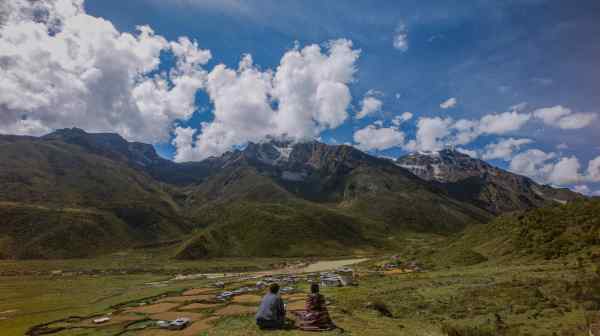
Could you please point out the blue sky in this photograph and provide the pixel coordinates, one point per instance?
(488, 55)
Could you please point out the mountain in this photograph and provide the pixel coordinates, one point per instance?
(75, 194)
(62, 199)
(136, 155)
(330, 199)
(477, 182)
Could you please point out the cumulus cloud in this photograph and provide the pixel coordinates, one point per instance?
(25, 127)
(565, 171)
(582, 189)
(593, 170)
(399, 119)
(549, 168)
(376, 138)
(400, 40)
(60, 67)
(469, 152)
(369, 105)
(449, 103)
(503, 123)
(431, 133)
(504, 148)
(435, 133)
(533, 163)
(564, 118)
(306, 94)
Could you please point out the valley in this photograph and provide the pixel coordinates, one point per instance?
(92, 225)
(517, 297)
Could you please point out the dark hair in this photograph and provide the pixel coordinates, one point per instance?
(274, 288)
(314, 288)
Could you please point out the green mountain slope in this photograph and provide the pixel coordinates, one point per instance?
(248, 209)
(545, 233)
(39, 179)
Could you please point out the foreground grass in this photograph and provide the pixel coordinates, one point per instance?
(544, 298)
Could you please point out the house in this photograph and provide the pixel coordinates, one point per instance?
(179, 323)
(346, 277)
(261, 284)
(330, 280)
(286, 290)
(101, 320)
(226, 295)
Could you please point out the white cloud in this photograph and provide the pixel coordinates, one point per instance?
(430, 134)
(465, 132)
(309, 87)
(449, 103)
(504, 148)
(502, 123)
(565, 171)
(520, 107)
(369, 105)
(25, 127)
(533, 163)
(400, 40)
(582, 189)
(564, 118)
(548, 168)
(471, 153)
(374, 138)
(435, 133)
(593, 170)
(397, 120)
(60, 67)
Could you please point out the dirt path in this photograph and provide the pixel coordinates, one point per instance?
(327, 265)
(319, 266)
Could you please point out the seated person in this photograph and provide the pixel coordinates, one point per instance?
(271, 312)
(315, 317)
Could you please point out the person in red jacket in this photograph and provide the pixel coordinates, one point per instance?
(315, 317)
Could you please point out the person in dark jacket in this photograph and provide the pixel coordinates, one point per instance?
(271, 312)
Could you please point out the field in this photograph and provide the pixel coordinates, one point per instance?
(555, 297)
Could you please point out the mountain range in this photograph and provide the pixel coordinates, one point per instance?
(75, 194)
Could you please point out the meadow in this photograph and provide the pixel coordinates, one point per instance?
(522, 297)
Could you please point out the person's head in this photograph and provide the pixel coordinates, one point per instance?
(274, 288)
(314, 288)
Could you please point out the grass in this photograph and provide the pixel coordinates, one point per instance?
(485, 299)
(476, 284)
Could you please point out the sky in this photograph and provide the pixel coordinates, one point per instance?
(514, 83)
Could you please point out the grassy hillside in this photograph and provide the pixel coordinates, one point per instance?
(279, 229)
(246, 212)
(59, 200)
(571, 230)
